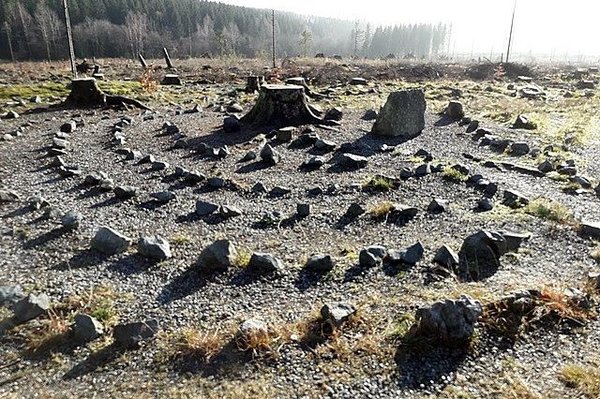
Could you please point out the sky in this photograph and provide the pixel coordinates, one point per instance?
(541, 26)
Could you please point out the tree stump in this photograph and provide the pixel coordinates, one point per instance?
(253, 83)
(281, 105)
(85, 92)
(300, 81)
(171, 79)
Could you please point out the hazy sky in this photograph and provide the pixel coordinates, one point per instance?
(542, 26)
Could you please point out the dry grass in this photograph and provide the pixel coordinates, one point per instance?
(203, 345)
(516, 388)
(49, 334)
(547, 209)
(586, 379)
(595, 254)
(98, 302)
(452, 174)
(379, 183)
(381, 209)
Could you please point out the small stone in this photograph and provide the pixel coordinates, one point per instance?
(337, 313)
(154, 247)
(163, 197)
(370, 115)
(285, 134)
(590, 229)
(180, 144)
(125, 192)
(319, 264)
(519, 148)
(263, 263)
(446, 257)
(522, 122)
(159, 165)
(31, 307)
(37, 203)
(279, 191)
(216, 182)
(423, 170)
(303, 210)
(334, 114)
(107, 185)
(68, 127)
(269, 155)
(192, 178)
(455, 111)
(352, 161)
(324, 146)
(71, 220)
(204, 208)
(86, 328)
(355, 210)
(367, 259)
(11, 115)
(314, 163)
(437, 206)
(250, 156)
(217, 257)
(413, 254)
(514, 199)
(259, 188)
(229, 211)
(235, 108)
(231, 124)
(147, 159)
(546, 167)
(485, 204)
(131, 334)
(252, 329)
(60, 143)
(10, 295)
(109, 241)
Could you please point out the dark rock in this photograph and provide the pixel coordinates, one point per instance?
(448, 322)
(285, 134)
(228, 211)
(519, 148)
(314, 163)
(355, 210)
(437, 206)
(159, 165)
(303, 210)
(269, 155)
(231, 124)
(455, 111)
(590, 229)
(480, 255)
(86, 328)
(10, 295)
(423, 170)
(370, 115)
(446, 257)
(523, 122)
(31, 307)
(485, 204)
(319, 264)
(514, 199)
(324, 146)
(163, 197)
(413, 254)
(204, 208)
(130, 335)
(125, 192)
(334, 114)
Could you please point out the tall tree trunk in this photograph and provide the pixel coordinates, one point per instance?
(9, 39)
(25, 31)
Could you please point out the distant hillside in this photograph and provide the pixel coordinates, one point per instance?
(34, 29)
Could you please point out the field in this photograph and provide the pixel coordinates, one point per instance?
(543, 342)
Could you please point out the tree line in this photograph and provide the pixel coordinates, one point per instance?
(35, 30)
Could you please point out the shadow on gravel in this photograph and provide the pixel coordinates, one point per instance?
(230, 361)
(45, 238)
(107, 202)
(187, 283)
(132, 264)
(193, 217)
(7, 324)
(427, 365)
(253, 167)
(218, 138)
(96, 360)
(308, 279)
(17, 212)
(151, 205)
(443, 121)
(354, 272)
(86, 258)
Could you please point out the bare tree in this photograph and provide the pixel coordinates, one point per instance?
(204, 37)
(8, 31)
(20, 16)
(136, 28)
(49, 26)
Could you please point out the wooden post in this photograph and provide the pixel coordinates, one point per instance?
(142, 61)
(70, 38)
(512, 24)
(167, 58)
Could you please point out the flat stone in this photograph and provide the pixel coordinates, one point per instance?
(71, 220)
(264, 263)
(125, 192)
(204, 208)
(590, 229)
(163, 197)
(319, 263)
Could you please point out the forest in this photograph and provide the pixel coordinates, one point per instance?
(35, 30)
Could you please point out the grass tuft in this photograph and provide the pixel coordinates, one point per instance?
(549, 210)
(381, 209)
(586, 379)
(455, 175)
(379, 183)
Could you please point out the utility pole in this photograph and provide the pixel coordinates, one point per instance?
(273, 23)
(70, 39)
(512, 24)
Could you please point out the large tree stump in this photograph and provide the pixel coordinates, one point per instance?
(281, 105)
(86, 93)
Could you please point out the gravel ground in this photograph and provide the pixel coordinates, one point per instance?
(37, 255)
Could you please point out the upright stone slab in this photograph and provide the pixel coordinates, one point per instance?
(403, 115)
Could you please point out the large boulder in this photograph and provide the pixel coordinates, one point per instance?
(402, 115)
(448, 321)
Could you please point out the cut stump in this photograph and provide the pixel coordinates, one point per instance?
(253, 83)
(86, 93)
(281, 105)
